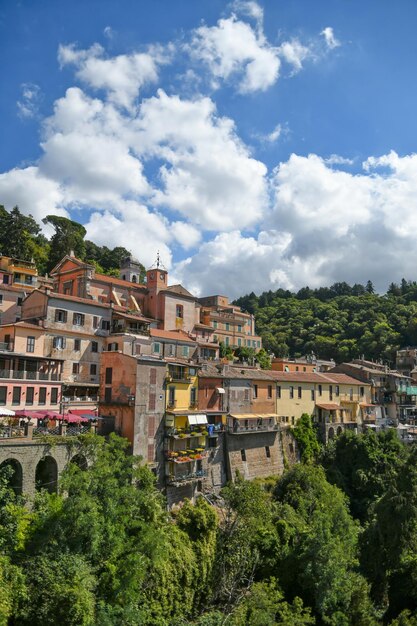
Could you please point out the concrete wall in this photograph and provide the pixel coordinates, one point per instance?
(257, 463)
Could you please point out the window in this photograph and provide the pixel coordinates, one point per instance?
(227, 341)
(362, 391)
(60, 315)
(54, 395)
(185, 350)
(351, 393)
(68, 287)
(75, 368)
(30, 344)
(93, 369)
(215, 324)
(193, 395)
(59, 342)
(157, 348)
(304, 369)
(255, 391)
(109, 375)
(243, 455)
(95, 321)
(278, 391)
(78, 319)
(94, 346)
(16, 395)
(269, 392)
(1, 299)
(300, 392)
(107, 395)
(239, 328)
(6, 279)
(30, 394)
(171, 396)
(291, 393)
(77, 345)
(337, 390)
(296, 368)
(212, 442)
(179, 311)
(313, 395)
(267, 452)
(331, 392)
(227, 326)
(246, 394)
(320, 390)
(112, 347)
(239, 341)
(19, 301)
(42, 395)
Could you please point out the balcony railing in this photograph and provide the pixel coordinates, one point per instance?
(174, 480)
(236, 428)
(184, 433)
(6, 347)
(409, 390)
(29, 375)
(11, 432)
(68, 399)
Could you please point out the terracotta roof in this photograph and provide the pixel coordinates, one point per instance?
(131, 316)
(363, 368)
(16, 288)
(204, 327)
(180, 290)
(315, 377)
(63, 296)
(175, 335)
(117, 281)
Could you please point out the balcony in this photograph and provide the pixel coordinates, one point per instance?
(241, 429)
(7, 347)
(12, 432)
(79, 399)
(408, 390)
(186, 456)
(183, 479)
(184, 433)
(30, 375)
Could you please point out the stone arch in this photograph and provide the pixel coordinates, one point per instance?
(330, 434)
(15, 480)
(46, 474)
(80, 461)
(339, 430)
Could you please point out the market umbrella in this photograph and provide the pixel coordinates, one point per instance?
(7, 413)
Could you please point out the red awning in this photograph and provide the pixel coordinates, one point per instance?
(83, 412)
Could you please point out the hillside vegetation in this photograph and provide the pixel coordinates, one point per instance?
(339, 322)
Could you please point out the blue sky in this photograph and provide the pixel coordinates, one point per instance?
(257, 145)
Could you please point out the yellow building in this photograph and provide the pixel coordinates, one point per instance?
(336, 401)
(185, 429)
(18, 272)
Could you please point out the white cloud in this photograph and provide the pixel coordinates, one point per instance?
(232, 47)
(294, 53)
(32, 192)
(329, 37)
(108, 32)
(208, 175)
(336, 159)
(28, 105)
(121, 76)
(135, 228)
(185, 234)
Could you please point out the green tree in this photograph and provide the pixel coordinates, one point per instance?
(69, 235)
(306, 438)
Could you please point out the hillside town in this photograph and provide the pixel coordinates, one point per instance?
(82, 351)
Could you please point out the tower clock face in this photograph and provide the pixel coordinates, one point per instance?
(151, 275)
(161, 276)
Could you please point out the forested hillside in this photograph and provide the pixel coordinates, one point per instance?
(332, 543)
(339, 322)
(21, 237)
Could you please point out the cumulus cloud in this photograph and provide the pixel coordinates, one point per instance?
(120, 76)
(32, 192)
(28, 105)
(234, 48)
(330, 38)
(208, 175)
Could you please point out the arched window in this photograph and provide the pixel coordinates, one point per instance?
(46, 475)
